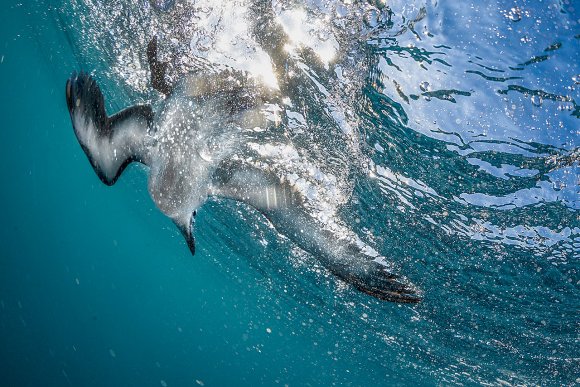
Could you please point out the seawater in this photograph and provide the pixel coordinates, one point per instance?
(463, 171)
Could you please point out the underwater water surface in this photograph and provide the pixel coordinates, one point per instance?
(452, 129)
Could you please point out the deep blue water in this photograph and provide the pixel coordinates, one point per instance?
(465, 175)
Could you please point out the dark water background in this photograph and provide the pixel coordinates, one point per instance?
(473, 192)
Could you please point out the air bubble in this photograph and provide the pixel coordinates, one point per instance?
(162, 5)
(565, 107)
(537, 100)
(201, 43)
(515, 14)
(424, 86)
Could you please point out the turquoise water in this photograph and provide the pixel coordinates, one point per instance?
(465, 174)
